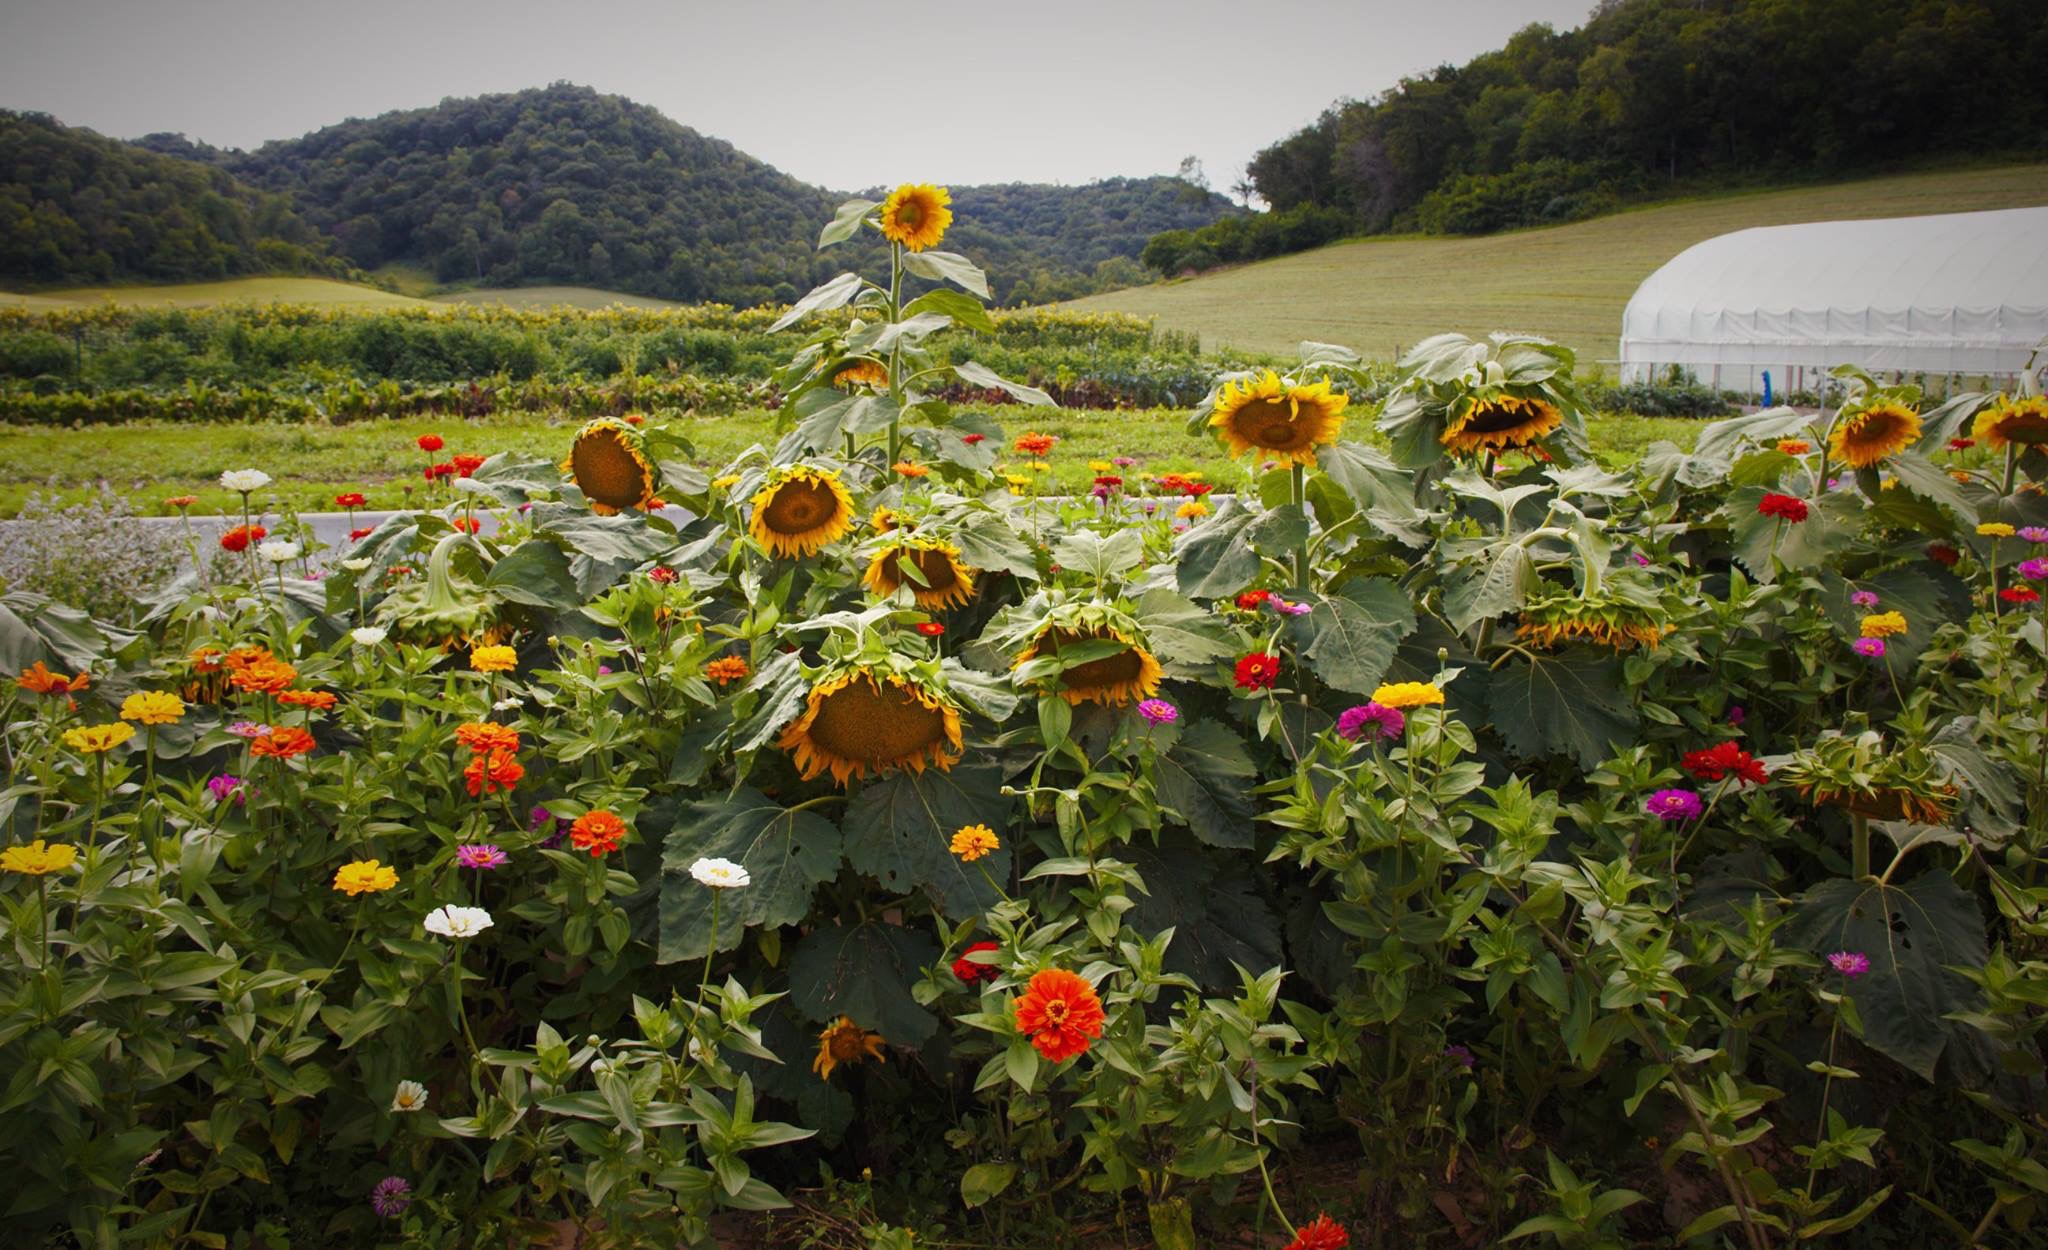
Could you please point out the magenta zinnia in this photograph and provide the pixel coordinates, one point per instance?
(1377, 719)
(1673, 805)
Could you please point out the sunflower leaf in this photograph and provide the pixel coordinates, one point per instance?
(864, 972)
(981, 375)
(1575, 702)
(1205, 779)
(846, 222)
(1357, 630)
(948, 267)
(965, 309)
(787, 853)
(829, 295)
(1214, 558)
(898, 830)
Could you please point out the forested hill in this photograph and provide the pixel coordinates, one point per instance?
(564, 185)
(77, 207)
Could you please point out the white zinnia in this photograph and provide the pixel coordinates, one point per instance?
(720, 874)
(411, 1096)
(367, 635)
(357, 564)
(504, 705)
(278, 551)
(458, 922)
(244, 480)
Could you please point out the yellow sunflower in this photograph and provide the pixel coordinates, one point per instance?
(915, 215)
(1866, 437)
(799, 509)
(947, 582)
(856, 721)
(1113, 680)
(2023, 421)
(1288, 423)
(607, 466)
(1505, 423)
(844, 1042)
(861, 372)
(1609, 625)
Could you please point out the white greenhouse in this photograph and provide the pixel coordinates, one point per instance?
(1959, 296)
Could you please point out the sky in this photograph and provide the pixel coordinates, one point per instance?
(840, 94)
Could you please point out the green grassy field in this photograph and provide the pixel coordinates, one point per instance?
(1568, 283)
(312, 463)
(324, 291)
(553, 296)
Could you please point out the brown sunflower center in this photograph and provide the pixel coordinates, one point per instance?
(937, 570)
(607, 471)
(1270, 423)
(844, 1044)
(875, 725)
(1498, 419)
(909, 213)
(800, 505)
(1110, 670)
(2025, 427)
(1878, 427)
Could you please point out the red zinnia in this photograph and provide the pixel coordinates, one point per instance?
(1320, 1233)
(357, 535)
(239, 538)
(1943, 554)
(1252, 600)
(467, 524)
(488, 774)
(466, 465)
(2019, 594)
(972, 439)
(282, 743)
(1109, 479)
(1961, 444)
(930, 629)
(318, 700)
(662, 573)
(430, 442)
(971, 972)
(1060, 1013)
(1785, 507)
(634, 418)
(1258, 671)
(436, 472)
(353, 499)
(1724, 760)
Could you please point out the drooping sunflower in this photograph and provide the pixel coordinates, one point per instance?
(1503, 423)
(947, 582)
(915, 215)
(609, 467)
(844, 1042)
(1617, 620)
(1113, 681)
(1285, 422)
(856, 721)
(799, 509)
(1886, 803)
(2023, 421)
(861, 372)
(1865, 437)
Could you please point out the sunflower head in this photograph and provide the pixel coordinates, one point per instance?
(915, 215)
(844, 1042)
(858, 719)
(940, 582)
(1865, 437)
(861, 371)
(1280, 420)
(609, 468)
(799, 509)
(2023, 421)
(1114, 666)
(1500, 423)
(1621, 615)
(1868, 775)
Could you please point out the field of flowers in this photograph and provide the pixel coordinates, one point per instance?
(1444, 842)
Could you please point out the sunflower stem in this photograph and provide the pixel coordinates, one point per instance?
(1859, 846)
(896, 353)
(1300, 477)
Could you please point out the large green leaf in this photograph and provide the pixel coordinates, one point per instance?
(1184, 636)
(1830, 526)
(898, 830)
(948, 267)
(864, 971)
(1208, 902)
(1214, 558)
(1356, 632)
(1486, 579)
(1573, 702)
(536, 573)
(1206, 780)
(832, 294)
(35, 627)
(1912, 935)
(787, 853)
(989, 543)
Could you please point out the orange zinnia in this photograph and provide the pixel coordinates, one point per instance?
(490, 772)
(241, 657)
(1060, 1013)
(597, 832)
(318, 700)
(1034, 444)
(727, 668)
(282, 743)
(38, 679)
(486, 736)
(265, 677)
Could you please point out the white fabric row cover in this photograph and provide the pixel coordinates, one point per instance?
(1953, 293)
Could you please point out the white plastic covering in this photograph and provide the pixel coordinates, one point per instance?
(1958, 293)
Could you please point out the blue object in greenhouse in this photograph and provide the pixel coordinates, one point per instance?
(1767, 388)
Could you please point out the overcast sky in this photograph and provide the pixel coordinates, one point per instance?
(970, 92)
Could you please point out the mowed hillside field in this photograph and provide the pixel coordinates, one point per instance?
(1568, 283)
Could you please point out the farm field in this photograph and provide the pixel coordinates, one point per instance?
(144, 462)
(553, 297)
(231, 291)
(1568, 283)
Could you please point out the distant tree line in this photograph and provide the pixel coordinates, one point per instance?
(1650, 98)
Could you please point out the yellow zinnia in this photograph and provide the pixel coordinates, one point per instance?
(1286, 422)
(973, 842)
(496, 659)
(727, 482)
(607, 466)
(1113, 680)
(1193, 509)
(1505, 423)
(153, 707)
(799, 509)
(1883, 624)
(1996, 529)
(37, 860)
(1864, 438)
(844, 1042)
(93, 739)
(364, 876)
(947, 582)
(858, 721)
(1406, 694)
(1016, 482)
(915, 215)
(2023, 421)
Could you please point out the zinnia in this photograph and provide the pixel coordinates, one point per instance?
(482, 856)
(1158, 712)
(1868, 648)
(1407, 694)
(38, 859)
(1034, 443)
(282, 742)
(430, 442)
(38, 679)
(720, 874)
(495, 659)
(1995, 529)
(153, 707)
(972, 842)
(487, 736)
(353, 499)
(1321, 1233)
(1726, 759)
(1784, 507)
(456, 923)
(491, 771)
(1258, 671)
(2019, 594)
(1673, 805)
(364, 876)
(1883, 625)
(727, 668)
(94, 739)
(1849, 963)
(972, 972)
(239, 538)
(318, 700)
(1060, 1013)
(1378, 719)
(598, 833)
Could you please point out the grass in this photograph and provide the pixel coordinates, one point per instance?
(551, 296)
(1568, 283)
(147, 462)
(236, 290)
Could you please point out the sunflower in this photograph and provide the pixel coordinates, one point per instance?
(947, 583)
(856, 721)
(1865, 437)
(1504, 423)
(1113, 680)
(861, 372)
(2023, 421)
(843, 1041)
(1609, 620)
(799, 509)
(1886, 803)
(608, 467)
(915, 215)
(1286, 422)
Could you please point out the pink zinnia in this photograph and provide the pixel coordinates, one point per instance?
(1158, 712)
(1673, 805)
(1382, 721)
(481, 855)
(1864, 598)
(2034, 534)
(2034, 570)
(1868, 648)
(391, 1197)
(1849, 963)
(249, 729)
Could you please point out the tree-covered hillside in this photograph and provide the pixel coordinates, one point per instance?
(76, 207)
